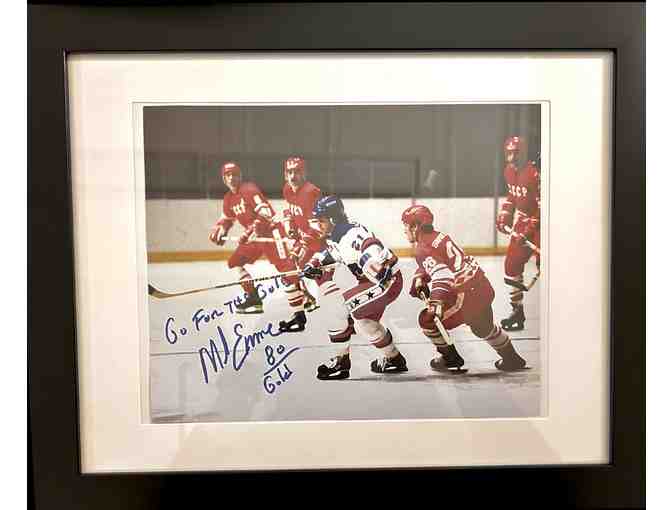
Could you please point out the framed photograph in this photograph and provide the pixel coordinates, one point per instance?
(229, 207)
(330, 251)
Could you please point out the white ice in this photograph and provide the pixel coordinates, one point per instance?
(179, 393)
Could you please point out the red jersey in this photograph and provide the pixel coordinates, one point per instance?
(523, 189)
(246, 206)
(445, 264)
(301, 203)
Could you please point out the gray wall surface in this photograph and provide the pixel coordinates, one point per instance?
(354, 151)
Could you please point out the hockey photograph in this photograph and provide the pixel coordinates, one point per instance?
(344, 262)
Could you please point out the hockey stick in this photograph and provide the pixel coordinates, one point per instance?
(533, 280)
(535, 249)
(437, 321)
(159, 294)
(521, 285)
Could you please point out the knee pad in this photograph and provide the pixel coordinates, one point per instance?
(338, 322)
(426, 323)
(341, 332)
(370, 329)
(425, 320)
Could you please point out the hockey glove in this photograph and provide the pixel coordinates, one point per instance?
(283, 219)
(298, 251)
(435, 309)
(531, 228)
(312, 272)
(519, 238)
(419, 287)
(250, 234)
(217, 234)
(504, 221)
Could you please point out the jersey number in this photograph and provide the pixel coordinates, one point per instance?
(454, 255)
(357, 243)
(428, 264)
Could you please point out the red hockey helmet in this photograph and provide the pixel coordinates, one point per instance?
(417, 215)
(230, 167)
(515, 149)
(513, 143)
(296, 163)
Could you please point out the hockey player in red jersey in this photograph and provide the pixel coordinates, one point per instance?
(301, 196)
(457, 290)
(246, 203)
(523, 202)
(378, 284)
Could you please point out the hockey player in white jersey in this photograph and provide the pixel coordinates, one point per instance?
(379, 283)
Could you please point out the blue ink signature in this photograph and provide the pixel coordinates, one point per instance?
(261, 291)
(270, 357)
(219, 359)
(169, 332)
(283, 372)
(201, 316)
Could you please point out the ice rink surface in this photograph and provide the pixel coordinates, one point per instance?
(273, 378)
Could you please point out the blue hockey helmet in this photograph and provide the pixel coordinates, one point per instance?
(331, 207)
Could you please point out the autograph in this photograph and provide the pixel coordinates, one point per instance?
(219, 352)
(220, 358)
(282, 372)
(201, 316)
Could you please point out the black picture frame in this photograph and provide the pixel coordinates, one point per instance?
(57, 30)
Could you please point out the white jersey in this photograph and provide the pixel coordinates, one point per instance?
(358, 248)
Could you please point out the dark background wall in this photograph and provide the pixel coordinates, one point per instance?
(354, 151)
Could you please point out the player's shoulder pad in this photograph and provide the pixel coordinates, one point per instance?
(532, 166)
(357, 228)
(440, 239)
(285, 190)
(311, 189)
(226, 198)
(371, 241)
(341, 230)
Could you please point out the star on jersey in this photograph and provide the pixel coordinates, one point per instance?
(363, 298)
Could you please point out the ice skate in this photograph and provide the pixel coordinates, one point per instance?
(252, 304)
(393, 365)
(336, 368)
(295, 324)
(449, 361)
(511, 360)
(515, 321)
